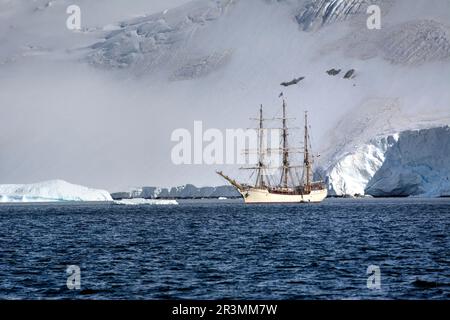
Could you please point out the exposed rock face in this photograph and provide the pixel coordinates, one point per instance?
(292, 82)
(318, 13)
(418, 164)
(333, 72)
(349, 74)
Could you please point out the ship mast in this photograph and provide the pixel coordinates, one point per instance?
(262, 179)
(260, 166)
(285, 168)
(306, 160)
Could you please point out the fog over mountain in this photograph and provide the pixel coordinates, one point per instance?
(97, 107)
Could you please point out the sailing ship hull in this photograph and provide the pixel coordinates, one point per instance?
(254, 195)
(263, 191)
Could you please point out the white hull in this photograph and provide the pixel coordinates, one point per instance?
(254, 195)
(258, 193)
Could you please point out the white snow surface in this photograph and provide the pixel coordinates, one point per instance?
(51, 191)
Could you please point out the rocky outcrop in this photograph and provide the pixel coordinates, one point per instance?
(319, 13)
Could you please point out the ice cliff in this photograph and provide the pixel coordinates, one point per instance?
(417, 165)
(413, 163)
(351, 173)
(50, 191)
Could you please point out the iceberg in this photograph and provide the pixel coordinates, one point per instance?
(50, 191)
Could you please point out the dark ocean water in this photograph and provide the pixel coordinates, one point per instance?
(212, 250)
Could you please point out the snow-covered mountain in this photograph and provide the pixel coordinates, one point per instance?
(50, 191)
(138, 70)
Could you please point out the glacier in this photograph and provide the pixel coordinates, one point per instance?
(151, 42)
(410, 163)
(417, 165)
(352, 171)
(50, 191)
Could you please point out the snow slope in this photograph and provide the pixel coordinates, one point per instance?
(157, 41)
(50, 191)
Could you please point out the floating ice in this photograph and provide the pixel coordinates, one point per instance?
(139, 202)
(50, 191)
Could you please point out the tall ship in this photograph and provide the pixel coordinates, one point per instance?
(287, 183)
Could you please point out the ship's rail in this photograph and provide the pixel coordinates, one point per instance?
(298, 190)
